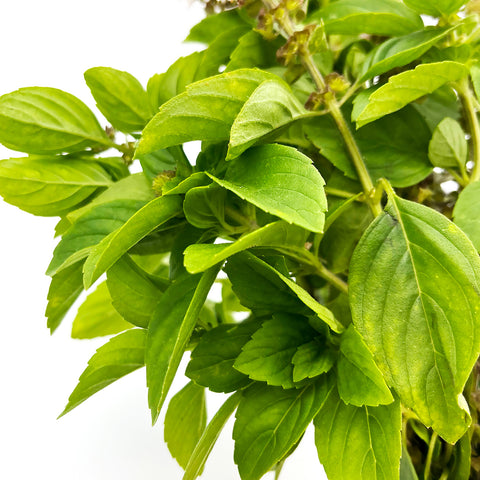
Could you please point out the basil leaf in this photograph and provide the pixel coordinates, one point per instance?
(436, 8)
(448, 147)
(312, 359)
(466, 211)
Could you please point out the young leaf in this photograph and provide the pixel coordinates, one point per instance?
(270, 107)
(204, 207)
(358, 443)
(378, 17)
(96, 317)
(267, 357)
(466, 211)
(360, 382)
(49, 187)
(119, 356)
(135, 293)
(424, 341)
(209, 437)
(205, 111)
(448, 147)
(406, 87)
(120, 97)
(280, 234)
(211, 363)
(117, 243)
(270, 421)
(279, 180)
(185, 422)
(312, 359)
(89, 230)
(435, 8)
(401, 51)
(169, 331)
(46, 120)
(65, 288)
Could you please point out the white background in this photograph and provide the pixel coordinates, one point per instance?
(109, 437)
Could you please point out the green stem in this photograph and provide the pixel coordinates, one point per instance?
(467, 97)
(428, 461)
(330, 277)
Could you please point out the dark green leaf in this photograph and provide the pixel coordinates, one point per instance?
(270, 421)
(466, 211)
(407, 470)
(358, 443)
(169, 331)
(49, 187)
(157, 162)
(118, 357)
(448, 147)
(185, 422)
(47, 120)
(120, 97)
(312, 359)
(424, 341)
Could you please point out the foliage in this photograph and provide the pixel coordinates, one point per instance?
(350, 275)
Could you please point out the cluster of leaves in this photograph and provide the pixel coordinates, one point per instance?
(361, 311)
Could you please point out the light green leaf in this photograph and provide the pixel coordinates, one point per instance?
(424, 341)
(121, 355)
(185, 422)
(212, 360)
(312, 359)
(401, 51)
(270, 421)
(448, 147)
(49, 187)
(204, 207)
(408, 86)
(360, 382)
(270, 107)
(47, 120)
(135, 293)
(96, 316)
(378, 17)
(475, 76)
(358, 443)
(196, 179)
(199, 257)
(120, 97)
(65, 288)
(436, 8)
(117, 243)
(205, 111)
(267, 357)
(279, 180)
(209, 437)
(466, 212)
(169, 332)
(89, 230)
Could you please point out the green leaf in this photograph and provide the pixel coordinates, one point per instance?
(270, 107)
(377, 17)
(199, 257)
(89, 230)
(358, 443)
(448, 147)
(65, 288)
(209, 437)
(211, 363)
(269, 422)
(197, 179)
(96, 317)
(436, 8)
(117, 243)
(408, 86)
(205, 111)
(169, 332)
(360, 382)
(49, 187)
(279, 180)
(475, 76)
(204, 207)
(208, 29)
(46, 120)
(135, 293)
(157, 162)
(312, 359)
(462, 459)
(118, 357)
(407, 470)
(185, 422)
(401, 51)
(267, 357)
(424, 341)
(120, 97)
(466, 211)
